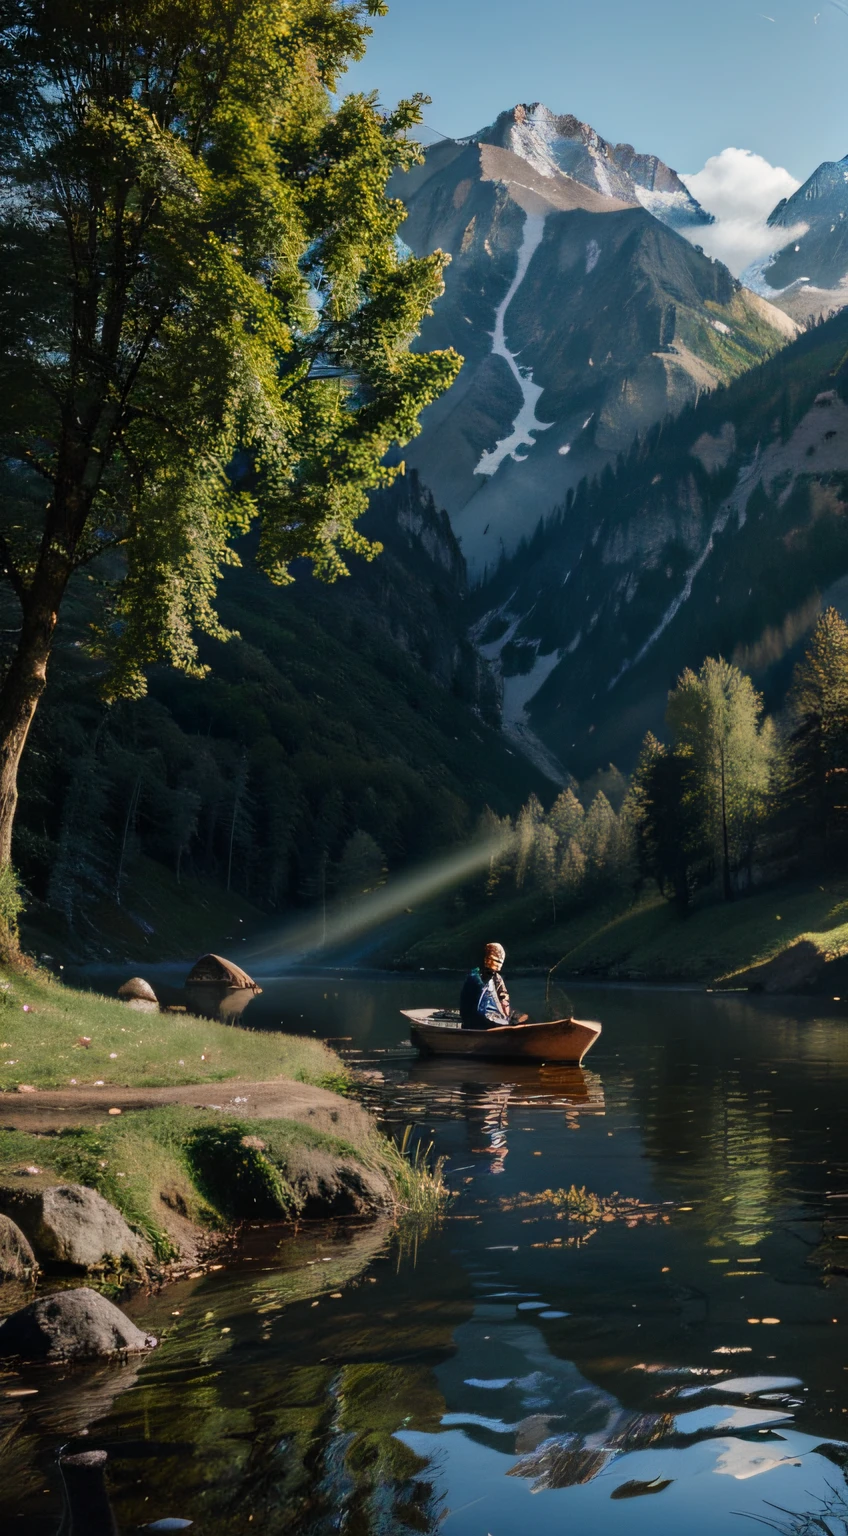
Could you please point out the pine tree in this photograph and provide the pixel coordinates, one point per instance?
(666, 838)
(566, 816)
(642, 794)
(598, 838)
(530, 818)
(544, 863)
(572, 870)
(817, 755)
(497, 832)
(362, 866)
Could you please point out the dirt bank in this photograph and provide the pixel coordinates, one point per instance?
(54, 1109)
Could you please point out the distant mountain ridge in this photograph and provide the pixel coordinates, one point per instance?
(809, 275)
(584, 317)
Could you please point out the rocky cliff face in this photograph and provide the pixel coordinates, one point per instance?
(562, 144)
(582, 315)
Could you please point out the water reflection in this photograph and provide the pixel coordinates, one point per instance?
(504, 1373)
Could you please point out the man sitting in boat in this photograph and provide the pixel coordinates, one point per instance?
(484, 1000)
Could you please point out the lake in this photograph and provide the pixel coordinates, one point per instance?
(631, 1318)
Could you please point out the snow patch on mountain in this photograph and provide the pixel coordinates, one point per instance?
(520, 690)
(676, 209)
(526, 422)
(517, 694)
(754, 276)
(535, 140)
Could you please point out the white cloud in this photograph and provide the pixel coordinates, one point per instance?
(740, 189)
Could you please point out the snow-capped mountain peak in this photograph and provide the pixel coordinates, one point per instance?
(558, 146)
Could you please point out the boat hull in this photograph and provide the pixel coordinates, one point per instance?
(562, 1040)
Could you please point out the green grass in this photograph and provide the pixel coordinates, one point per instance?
(715, 941)
(42, 1022)
(216, 1170)
(647, 941)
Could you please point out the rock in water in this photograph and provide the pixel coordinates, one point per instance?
(71, 1325)
(72, 1227)
(87, 1503)
(137, 990)
(17, 1260)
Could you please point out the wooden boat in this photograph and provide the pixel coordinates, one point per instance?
(438, 1032)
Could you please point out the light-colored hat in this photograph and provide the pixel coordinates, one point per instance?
(495, 952)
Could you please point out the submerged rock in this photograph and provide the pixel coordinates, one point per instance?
(72, 1227)
(71, 1325)
(137, 990)
(17, 1260)
(88, 1511)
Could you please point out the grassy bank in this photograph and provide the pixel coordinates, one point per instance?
(173, 1170)
(165, 1167)
(43, 1022)
(647, 941)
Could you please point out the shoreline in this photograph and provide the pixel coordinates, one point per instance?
(210, 1127)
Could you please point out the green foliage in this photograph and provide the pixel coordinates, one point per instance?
(715, 721)
(209, 325)
(312, 726)
(706, 813)
(816, 785)
(216, 232)
(11, 900)
(232, 1171)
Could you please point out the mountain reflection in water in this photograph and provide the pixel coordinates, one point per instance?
(631, 1318)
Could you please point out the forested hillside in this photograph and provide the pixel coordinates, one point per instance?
(723, 532)
(346, 730)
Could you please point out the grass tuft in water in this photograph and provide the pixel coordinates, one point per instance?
(417, 1176)
(830, 1519)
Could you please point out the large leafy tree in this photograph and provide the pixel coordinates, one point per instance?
(205, 315)
(726, 752)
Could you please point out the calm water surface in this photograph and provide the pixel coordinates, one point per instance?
(524, 1367)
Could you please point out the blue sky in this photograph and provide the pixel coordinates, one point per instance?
(680, 80)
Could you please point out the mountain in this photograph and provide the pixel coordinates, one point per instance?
(809, 275)
(582, 314)
(553, 145)
(724, 532)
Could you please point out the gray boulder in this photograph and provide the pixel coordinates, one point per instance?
(17, 1260)
(72, 1227)
(71, 1325)
(137, 990)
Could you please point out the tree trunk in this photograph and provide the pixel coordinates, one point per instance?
(725, 842)
(24, 685)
